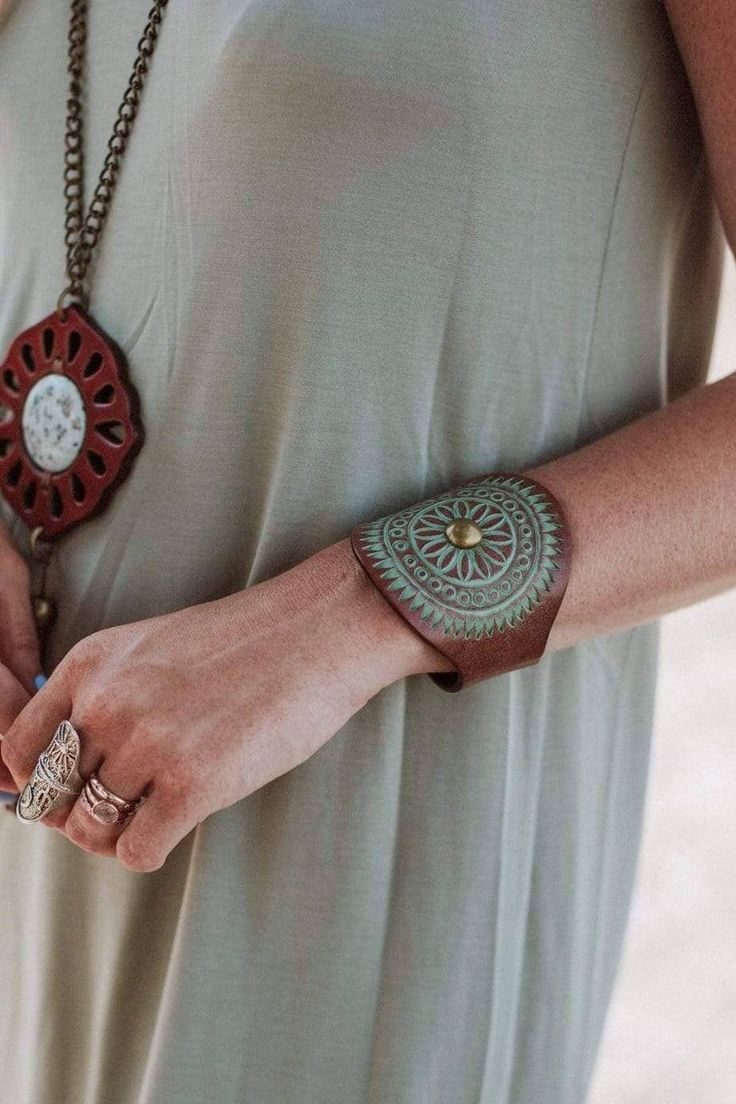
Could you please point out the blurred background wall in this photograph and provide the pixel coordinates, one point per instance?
(670, 1037)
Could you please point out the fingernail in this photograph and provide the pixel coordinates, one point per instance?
(39, 680)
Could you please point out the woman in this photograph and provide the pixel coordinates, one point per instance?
(357, 255)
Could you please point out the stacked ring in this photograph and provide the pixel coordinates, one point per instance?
(104, 805)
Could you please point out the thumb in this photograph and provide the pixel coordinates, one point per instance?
(21, 647)
(13, 697)
(33, 727)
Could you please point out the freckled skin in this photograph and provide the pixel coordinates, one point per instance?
(211, 736)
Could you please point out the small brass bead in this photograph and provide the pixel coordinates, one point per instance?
(463, 533)
(44, 611)
(40, 549)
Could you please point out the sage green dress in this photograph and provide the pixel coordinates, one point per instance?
(358, 252)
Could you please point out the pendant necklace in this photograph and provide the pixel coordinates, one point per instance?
(70, 423)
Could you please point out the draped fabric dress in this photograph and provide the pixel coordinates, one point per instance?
(358, 253)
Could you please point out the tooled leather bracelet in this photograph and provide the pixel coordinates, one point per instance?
(479, 571)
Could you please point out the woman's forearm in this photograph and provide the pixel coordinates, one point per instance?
(652, 514)
(652, 511)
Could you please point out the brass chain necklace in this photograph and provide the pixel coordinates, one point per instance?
(71, 427)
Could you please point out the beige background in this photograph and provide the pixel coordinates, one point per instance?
(671, 1030)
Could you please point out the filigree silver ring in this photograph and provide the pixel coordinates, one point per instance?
(55, 779)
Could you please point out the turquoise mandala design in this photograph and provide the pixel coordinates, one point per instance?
(474, 591)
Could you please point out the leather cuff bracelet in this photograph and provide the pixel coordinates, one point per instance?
(479, 571)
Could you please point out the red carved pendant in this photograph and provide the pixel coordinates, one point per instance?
(69, 421)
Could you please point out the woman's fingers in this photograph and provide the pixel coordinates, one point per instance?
(129, 780)
(13, 698)
(126, 774)
(20, 650)
(19, 644)
(33, 728)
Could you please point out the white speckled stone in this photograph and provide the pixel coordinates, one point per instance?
(54, 422)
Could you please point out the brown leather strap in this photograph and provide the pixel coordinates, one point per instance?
(479, 571)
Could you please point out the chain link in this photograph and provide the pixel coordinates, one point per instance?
(82, 235)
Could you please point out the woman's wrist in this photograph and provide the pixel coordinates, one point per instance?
(389, 645)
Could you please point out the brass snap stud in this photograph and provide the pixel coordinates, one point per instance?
(463, 533)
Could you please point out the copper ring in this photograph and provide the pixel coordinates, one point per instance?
(104, 805)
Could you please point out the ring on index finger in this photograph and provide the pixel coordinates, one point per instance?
(55, 779)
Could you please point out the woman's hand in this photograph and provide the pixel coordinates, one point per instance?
(199, 708)
(19, 645)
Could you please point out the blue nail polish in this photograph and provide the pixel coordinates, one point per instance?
(6, 796)
(39, 680)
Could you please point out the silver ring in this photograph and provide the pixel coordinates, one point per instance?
(55, 779)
